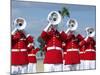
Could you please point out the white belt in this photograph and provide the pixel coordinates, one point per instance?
(65, 52)
(82, 52)
(19, 50)
(69, 50)
(31, 55)
(90, 50)
(51, 48)
(22, 39)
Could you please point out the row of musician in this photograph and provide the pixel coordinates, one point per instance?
(64, 51)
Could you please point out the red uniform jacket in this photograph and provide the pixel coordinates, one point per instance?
(19, 48)
(53, 47)
(89, 51)
(71, 48)
(81, 47)
(82, 52)
(32, 55)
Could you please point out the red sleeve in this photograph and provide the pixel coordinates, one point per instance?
(91, 40)
(80, 37)
(33, 50)
(36, 50)
(44, 36)
(63, 36)
(30, 47)
(70, 36)
(29, 39)
(83, 42)
(16, 36)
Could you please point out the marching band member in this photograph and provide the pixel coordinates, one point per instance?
(71, 49)
(82, 51)
(19, 50)
(53, 47)
(32, 58)
(89, 50)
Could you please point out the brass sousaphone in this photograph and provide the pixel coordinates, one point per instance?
(19, 24)
(54, 18)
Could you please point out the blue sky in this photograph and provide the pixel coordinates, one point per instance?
(36, 16)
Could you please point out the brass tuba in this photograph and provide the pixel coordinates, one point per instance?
(54, 18)
(19, 24)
